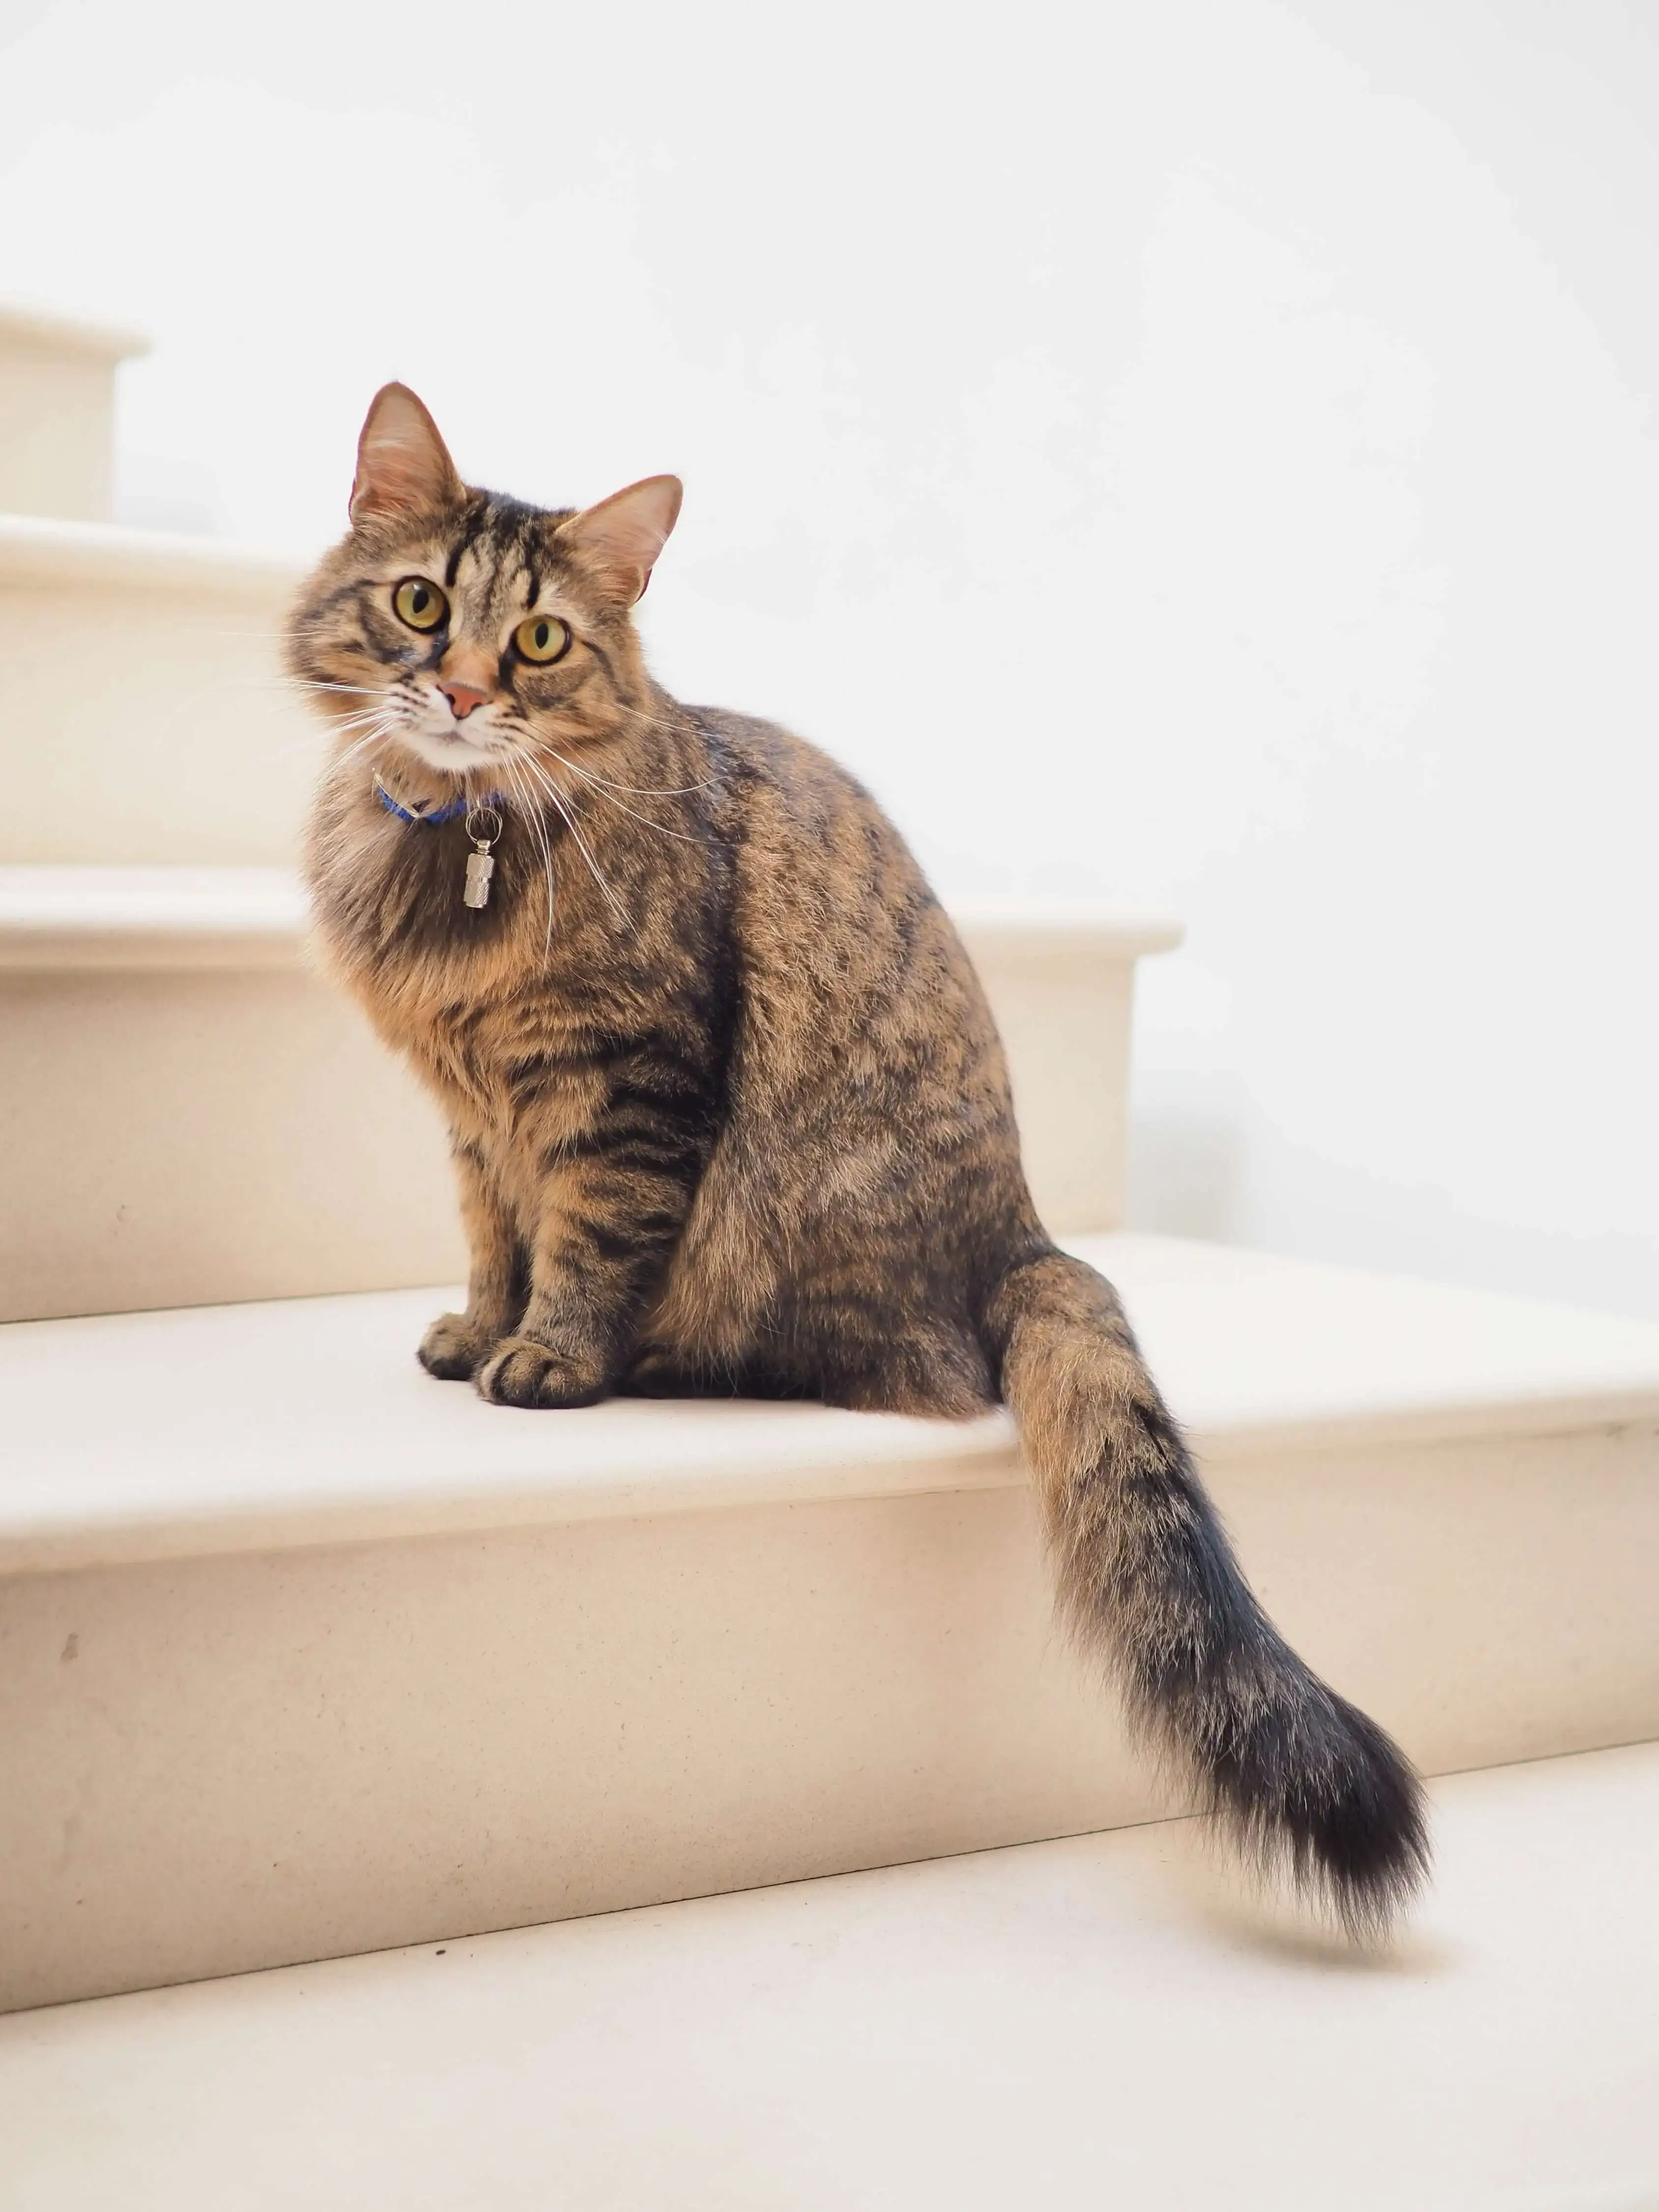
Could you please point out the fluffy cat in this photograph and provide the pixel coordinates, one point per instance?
(728, 1110)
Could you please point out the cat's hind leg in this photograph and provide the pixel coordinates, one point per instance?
(877, 1359)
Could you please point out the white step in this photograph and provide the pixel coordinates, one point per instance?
(192, 1116)
(58, 414)
(306, 1654)
(149, 660)
(1102, 2022)
(147, 721)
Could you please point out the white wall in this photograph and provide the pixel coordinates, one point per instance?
(1198, 452)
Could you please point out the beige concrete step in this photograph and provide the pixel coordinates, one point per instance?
(302, 1653)
(192, 1116)
(148, 659)
(178, 742)
(1105, 2021)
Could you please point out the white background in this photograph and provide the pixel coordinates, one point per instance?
(1198, 453)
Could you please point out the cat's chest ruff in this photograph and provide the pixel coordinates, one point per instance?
(522, 1089)
(422, 913)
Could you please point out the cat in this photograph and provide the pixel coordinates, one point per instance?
(727, 1108)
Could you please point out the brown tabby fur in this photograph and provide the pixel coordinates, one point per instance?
(729, 1111)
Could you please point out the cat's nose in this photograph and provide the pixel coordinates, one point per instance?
(462, 699)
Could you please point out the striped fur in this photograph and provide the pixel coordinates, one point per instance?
(729, 1112)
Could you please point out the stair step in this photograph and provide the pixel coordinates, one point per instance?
(1102, 2021)
(303, 1653)
(193, 1116)
(178, 740)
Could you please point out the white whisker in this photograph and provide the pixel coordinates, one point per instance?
(605, 792)
(526, 800)
(635, 790)
(560, 800)
(359, 746)
(520, 727)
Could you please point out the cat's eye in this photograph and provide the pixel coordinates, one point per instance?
(542, 638)
(419, 604)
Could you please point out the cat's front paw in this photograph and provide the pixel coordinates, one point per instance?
(521, 1372)
(450, 1351)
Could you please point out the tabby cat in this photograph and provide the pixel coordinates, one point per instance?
(727, 1108)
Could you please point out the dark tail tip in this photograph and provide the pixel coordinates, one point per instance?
(1308, 1781)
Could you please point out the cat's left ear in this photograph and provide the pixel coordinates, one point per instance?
(623, 536)
(403, 464)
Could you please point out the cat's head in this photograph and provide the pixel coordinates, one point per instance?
(453, 631)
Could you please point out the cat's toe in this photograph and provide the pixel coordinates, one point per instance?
(449, 1350)
(521, 1372)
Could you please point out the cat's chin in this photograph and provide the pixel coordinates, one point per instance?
(454, 756)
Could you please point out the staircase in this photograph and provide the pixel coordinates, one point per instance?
(303, 1657)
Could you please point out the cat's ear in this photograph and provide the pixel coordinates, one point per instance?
(623, 536)
(403, 464)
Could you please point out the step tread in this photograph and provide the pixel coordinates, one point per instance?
(215, 916)
(1103, 2021)
(211, 1429)
(44, 549)
(176, 918)
(68, 334)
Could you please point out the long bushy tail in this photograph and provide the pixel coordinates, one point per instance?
(1147, 1578)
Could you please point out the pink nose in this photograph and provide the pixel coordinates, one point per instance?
(462, 699)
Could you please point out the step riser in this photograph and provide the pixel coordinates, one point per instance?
(146, 724)
(181, 1139)
(57, 423)
(58, 415)
(184, 1139)
(1110, 2021)
(222, 1763)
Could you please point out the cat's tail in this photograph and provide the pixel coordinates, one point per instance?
(1147, 1579)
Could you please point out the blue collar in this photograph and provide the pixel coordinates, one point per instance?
(452, 812)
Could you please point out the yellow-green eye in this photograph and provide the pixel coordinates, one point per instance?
(542, 638)
(419, 604)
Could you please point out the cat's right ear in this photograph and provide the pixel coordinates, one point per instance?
(403, 464)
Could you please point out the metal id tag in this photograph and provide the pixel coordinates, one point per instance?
(480, 867)
(481, 862)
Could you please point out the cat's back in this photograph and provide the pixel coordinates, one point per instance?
(856, 984)
(817, 861)
(870, 1158)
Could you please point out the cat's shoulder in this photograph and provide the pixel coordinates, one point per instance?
(766, 753)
